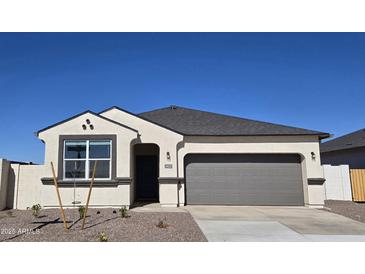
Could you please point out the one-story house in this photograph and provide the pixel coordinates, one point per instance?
(175, 156)
(348, 149)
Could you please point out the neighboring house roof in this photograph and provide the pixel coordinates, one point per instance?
(82, 113)
(348, 141)
(201, 123)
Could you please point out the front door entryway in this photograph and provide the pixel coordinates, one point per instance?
(147, 177)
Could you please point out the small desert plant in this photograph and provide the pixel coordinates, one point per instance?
(81, 211)
(36, 209)
(123, 212)
(162, 223)
(10, 214)
(102, 237)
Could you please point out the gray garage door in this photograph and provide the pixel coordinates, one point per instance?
(243, 179)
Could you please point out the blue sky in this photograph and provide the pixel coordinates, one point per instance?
(314, 81)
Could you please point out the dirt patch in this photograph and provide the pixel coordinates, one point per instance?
(22, 226)
(355, 211)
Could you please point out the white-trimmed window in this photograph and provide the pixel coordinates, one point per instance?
(79, 158)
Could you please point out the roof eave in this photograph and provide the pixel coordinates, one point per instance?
(324, 135)
(320, 135)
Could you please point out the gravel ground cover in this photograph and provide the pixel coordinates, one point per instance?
(348, 209)
(22, 226)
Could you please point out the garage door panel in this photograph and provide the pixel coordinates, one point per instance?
(244, 179)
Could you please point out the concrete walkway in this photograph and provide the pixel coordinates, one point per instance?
(272, 224)
(154, 207)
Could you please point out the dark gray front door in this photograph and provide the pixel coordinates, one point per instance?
(243, 179)
(147, 177)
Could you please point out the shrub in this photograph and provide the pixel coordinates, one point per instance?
(36, 209)
(123, 212)
(102, 237)
(162, 223)
(81, 211)
(10, 214)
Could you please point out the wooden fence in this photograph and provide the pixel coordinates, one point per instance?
(358, 184)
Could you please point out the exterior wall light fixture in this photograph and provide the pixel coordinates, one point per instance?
(313, 155)
(168, 156)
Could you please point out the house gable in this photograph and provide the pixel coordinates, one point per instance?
(85, 126)
(151, 133)
(144, 126)
(81, 114)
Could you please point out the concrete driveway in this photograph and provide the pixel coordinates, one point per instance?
(271, 224)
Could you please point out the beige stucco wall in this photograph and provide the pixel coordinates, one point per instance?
(28, 185)
(100, 197)
(13, 181)
(30, 190)
(172, 193)
(168, 194)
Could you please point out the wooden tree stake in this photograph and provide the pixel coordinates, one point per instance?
(59, 197)
(88, 196)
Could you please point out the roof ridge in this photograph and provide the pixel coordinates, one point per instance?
(168, 107)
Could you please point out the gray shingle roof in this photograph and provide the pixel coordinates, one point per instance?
(195, 122)
(348, 141)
